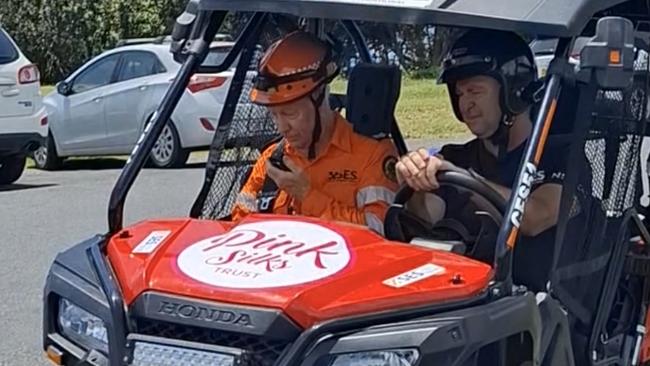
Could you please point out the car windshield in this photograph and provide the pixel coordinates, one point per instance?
(8, 52)
(216, 56)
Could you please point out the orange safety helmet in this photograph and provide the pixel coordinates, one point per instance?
(292, 68)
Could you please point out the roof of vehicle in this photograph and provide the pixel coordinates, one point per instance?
(559, 18)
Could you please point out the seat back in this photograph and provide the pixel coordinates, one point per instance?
(372, 94)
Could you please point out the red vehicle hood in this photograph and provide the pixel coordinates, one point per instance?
(311, 270)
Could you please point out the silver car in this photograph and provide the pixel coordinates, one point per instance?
(102, 108)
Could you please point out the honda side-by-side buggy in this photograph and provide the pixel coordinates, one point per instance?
(206, 290)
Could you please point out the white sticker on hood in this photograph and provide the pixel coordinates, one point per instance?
(414, 275)
(266, 254)
(151, 242)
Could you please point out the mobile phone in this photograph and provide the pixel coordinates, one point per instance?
(278, 163)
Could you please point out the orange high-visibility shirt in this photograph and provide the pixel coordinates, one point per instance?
(353, 180)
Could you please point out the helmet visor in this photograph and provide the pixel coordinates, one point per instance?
(264, 82)
(456, 68)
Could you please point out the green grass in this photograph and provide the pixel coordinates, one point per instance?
(423, 109)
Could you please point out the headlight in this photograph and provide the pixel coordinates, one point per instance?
(400, 357)
(82, 327)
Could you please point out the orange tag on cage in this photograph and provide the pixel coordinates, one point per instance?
(614, 57)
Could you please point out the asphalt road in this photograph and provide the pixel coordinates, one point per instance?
(47, 212)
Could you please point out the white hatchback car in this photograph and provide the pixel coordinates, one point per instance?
(23, 122)
(102, 108)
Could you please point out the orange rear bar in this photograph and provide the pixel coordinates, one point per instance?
(547, 127)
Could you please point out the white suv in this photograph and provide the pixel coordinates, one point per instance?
(23, 120)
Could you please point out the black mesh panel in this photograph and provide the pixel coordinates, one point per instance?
(595, 242)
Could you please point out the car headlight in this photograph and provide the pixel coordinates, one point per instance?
(400, 357)
(82, 327)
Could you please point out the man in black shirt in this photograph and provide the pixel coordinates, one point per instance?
(491, 77)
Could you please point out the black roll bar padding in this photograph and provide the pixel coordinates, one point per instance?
(206, 26)
(534, 147)
(119, 353)
(183, 26)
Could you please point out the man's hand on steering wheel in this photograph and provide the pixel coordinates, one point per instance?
(418, 169)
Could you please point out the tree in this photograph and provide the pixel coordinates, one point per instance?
(61, 35)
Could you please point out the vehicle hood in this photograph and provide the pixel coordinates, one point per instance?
(310, 270)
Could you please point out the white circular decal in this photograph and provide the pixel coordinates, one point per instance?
(266, 254)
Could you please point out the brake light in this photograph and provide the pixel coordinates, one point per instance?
(203, 82)
(28, 74)
(206, 124)
(44, 121)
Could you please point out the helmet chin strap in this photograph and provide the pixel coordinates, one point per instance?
(500, 137)
(316, 133)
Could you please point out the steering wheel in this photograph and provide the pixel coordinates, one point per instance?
(457, 185)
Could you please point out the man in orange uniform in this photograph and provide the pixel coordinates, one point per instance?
(321, 167)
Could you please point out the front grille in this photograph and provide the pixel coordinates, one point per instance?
(259, 351)
(153, 354)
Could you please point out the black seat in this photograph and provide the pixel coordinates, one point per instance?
(372, 94)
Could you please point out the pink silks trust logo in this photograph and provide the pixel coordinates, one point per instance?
(266, 254)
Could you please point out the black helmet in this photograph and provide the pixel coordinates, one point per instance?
(502, 55)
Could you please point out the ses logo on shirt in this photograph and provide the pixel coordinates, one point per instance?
(345, 175)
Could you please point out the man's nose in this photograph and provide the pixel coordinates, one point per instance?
(283, 126)
(466, 105)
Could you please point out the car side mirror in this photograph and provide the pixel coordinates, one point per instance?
(64, 88)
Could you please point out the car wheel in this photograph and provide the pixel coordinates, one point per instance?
(11, 168)
(168, 152)
(46, 157)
